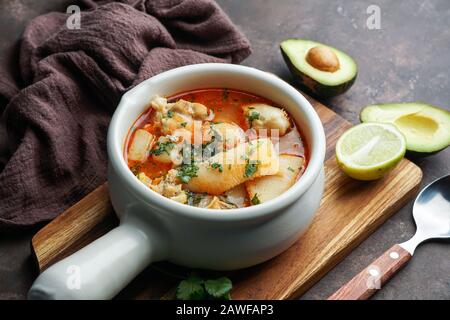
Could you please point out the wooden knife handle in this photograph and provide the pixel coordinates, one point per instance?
(368, 281)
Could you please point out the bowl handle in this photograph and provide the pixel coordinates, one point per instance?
(101, 269)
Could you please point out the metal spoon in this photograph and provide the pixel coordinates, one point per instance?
(431, 213)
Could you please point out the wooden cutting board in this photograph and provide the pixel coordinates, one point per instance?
(350, 211)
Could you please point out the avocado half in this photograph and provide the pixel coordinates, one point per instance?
(320, 83)
(425, 127)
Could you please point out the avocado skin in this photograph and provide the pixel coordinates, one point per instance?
(415, 155)
(314, 87)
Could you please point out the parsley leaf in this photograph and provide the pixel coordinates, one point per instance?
(196, 288)
(170, 114)
(217, 166)
(162, 147)
(250, 168)
(219, 288)
(255, 200)
(252, 116)
(187, 171)
(191, 289)
(184, 124)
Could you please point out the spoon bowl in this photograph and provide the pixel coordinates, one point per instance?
(431, 212)
(431, 209)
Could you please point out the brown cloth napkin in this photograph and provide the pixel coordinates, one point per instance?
(54, 149)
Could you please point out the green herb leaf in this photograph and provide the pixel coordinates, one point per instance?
(250, 168)
(191, 289)
(196, 287)
(170, 114)
(187, 171)
(255, 200)
(162, 147)
(219, 288)
(184, 124)
(290, 169)
(217, 166)
(253, 116)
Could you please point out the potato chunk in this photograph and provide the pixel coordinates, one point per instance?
(270, 187)
(140, 146)
(228, 169)
(262, 116)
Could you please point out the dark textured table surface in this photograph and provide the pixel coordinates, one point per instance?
(406, 60)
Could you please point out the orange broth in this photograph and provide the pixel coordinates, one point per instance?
(227, 106)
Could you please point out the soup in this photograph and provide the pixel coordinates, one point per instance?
(216, 149)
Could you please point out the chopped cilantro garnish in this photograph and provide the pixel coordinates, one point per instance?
(170, 114)
(255, 200)
(187, 171)
(253, 116)
(250, 168)
(217, 166)
(162, 147)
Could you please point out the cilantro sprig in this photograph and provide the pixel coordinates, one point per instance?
(197, 288)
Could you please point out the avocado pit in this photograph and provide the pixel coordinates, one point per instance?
(323, 59)
(321, 70)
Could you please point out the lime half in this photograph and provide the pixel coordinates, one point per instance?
(369, 150)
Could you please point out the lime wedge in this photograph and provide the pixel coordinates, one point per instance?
(369, 150)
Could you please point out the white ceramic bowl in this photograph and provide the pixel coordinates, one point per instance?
(155, 228)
